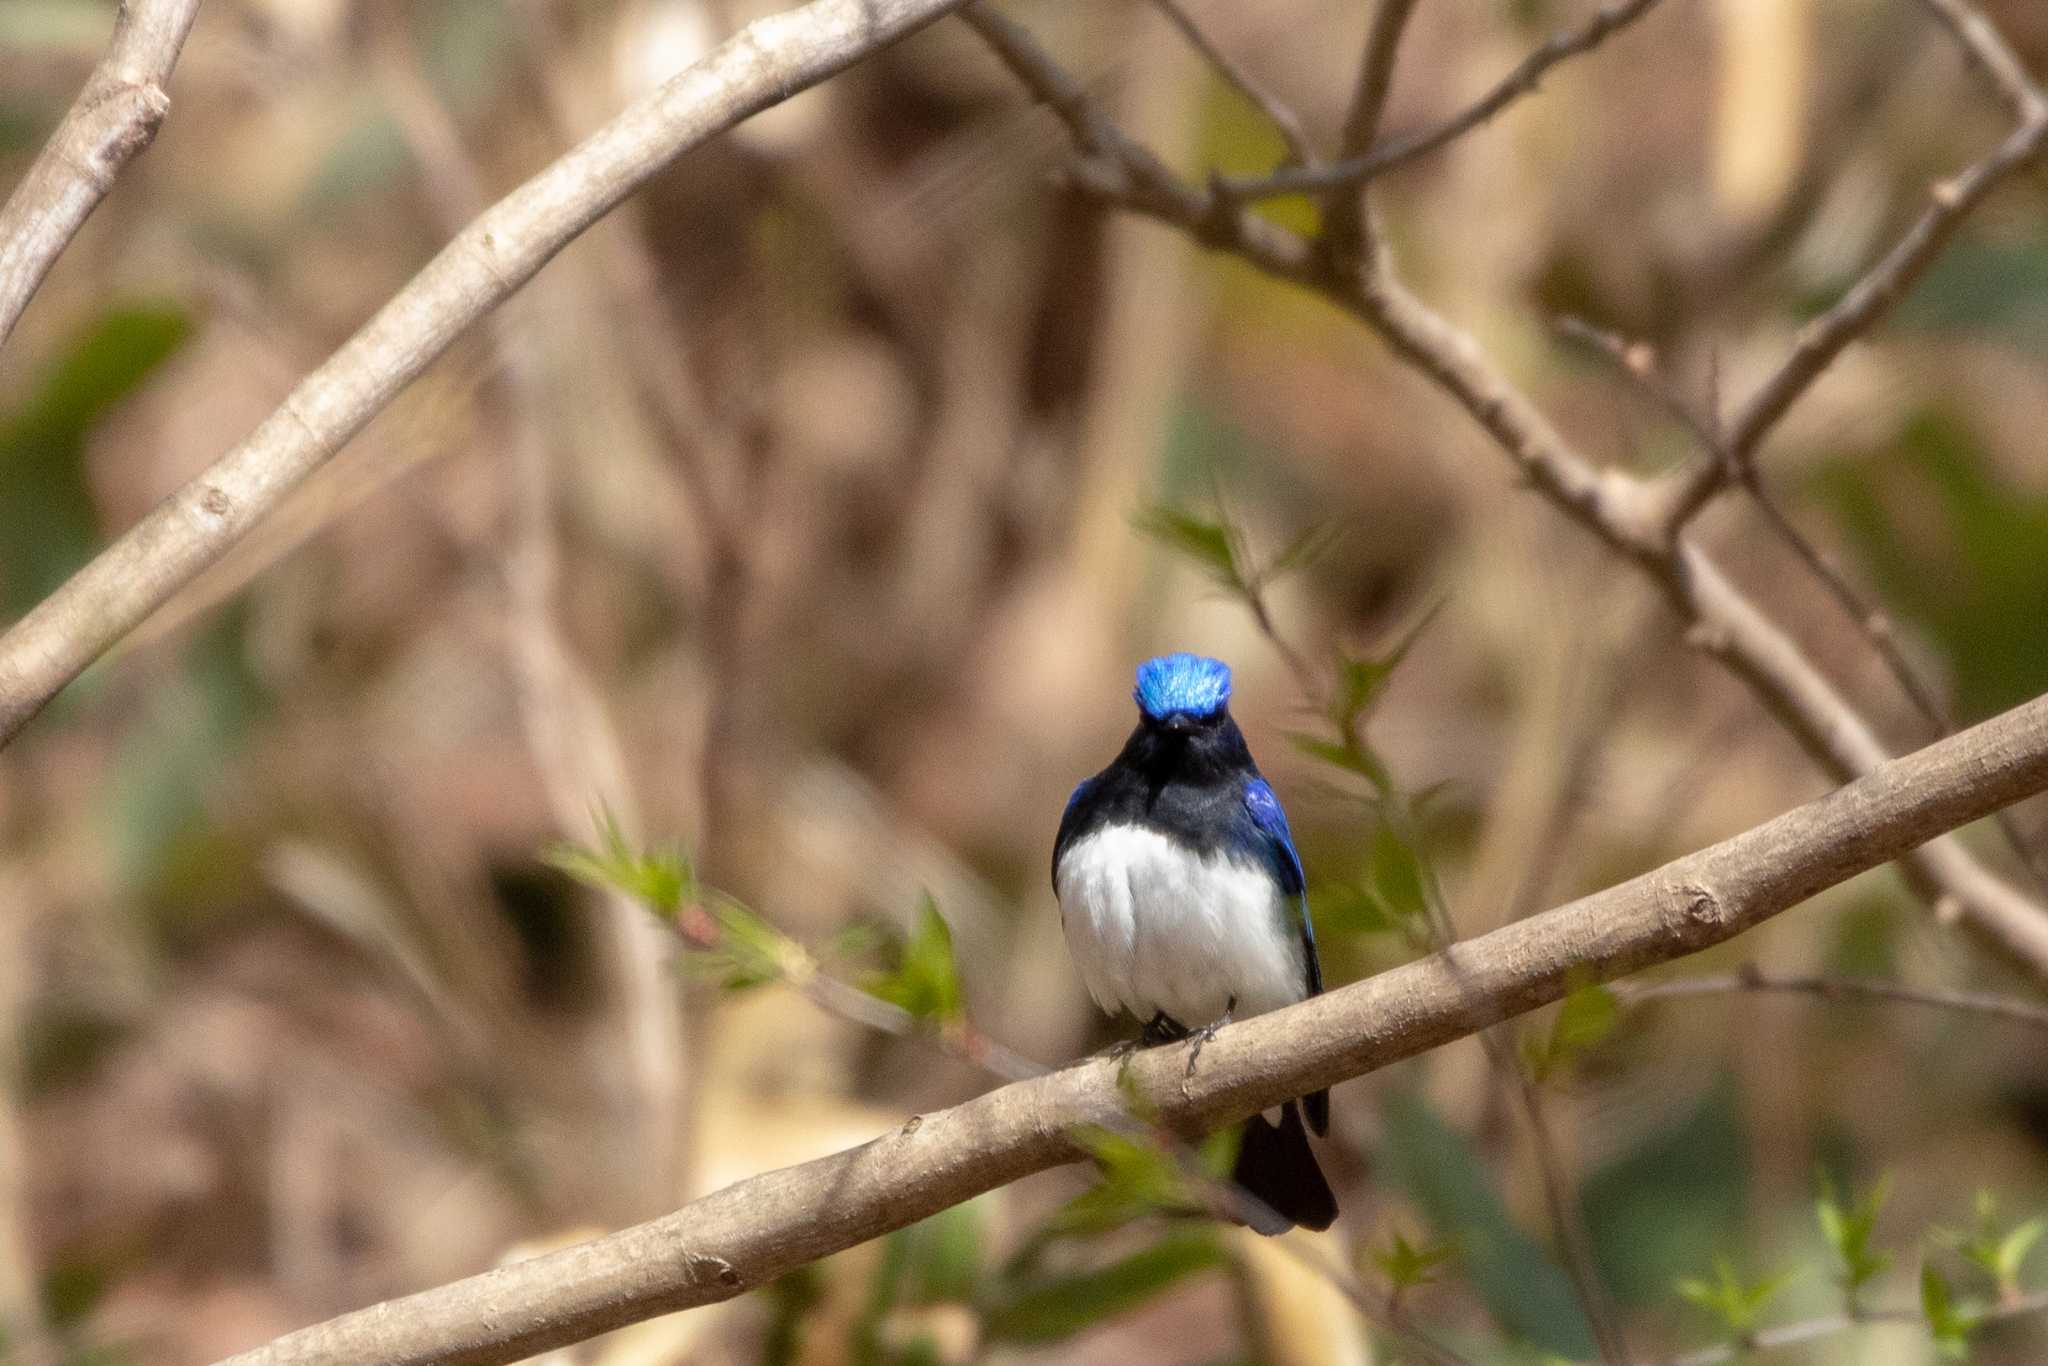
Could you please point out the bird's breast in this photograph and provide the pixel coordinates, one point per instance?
(1154, 925)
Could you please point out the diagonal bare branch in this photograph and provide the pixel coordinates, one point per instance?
(764, 64)
(749, 1233)
(113, 119)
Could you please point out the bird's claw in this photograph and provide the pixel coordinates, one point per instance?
(1199, 1039)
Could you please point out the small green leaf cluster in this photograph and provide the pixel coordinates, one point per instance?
(1737, 1302)
(1361, 683)
(1995, 1249)
(925, 981)
(1216, 547)
(1407, 1266)
(661, 879)
(1992, 1248)
(1849, 1227)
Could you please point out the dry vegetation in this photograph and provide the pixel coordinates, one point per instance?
(792, 515)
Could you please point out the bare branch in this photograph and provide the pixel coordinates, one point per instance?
(1375, 74)
(1821, 340)
(749, 1233)
(1395, 152)
(1826, 988)
(764, 64)
(1631, 517)
(1349, 236)
(113, 119)
(1284, 120)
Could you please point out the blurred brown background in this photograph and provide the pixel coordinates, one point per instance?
(789, 513)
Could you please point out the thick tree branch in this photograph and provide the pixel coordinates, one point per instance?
(748, 1234)
(113, 119)
(764, 64)
(1633, 517)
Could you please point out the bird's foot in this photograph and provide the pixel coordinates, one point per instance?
(1199, 1039)
(1162, 1028)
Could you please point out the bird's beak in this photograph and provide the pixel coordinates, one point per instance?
(1178, 723)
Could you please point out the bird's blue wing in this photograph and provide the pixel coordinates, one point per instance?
(1272, 825)
(1271, 820)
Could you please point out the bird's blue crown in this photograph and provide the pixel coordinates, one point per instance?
(1194, 684)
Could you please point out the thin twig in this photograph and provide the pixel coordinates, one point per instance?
(114, 118)
(756, 1230)
(1835, 988)
(764, 64)
(1284, 120)
(1396, 152)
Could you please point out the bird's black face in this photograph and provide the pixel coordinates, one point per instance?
(1185, 744)
(1184, 726)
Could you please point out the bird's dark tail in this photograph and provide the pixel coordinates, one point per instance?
(1275, 1164)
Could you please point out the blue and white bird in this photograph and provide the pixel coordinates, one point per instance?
(1183, 904)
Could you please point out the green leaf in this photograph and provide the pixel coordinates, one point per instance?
(1361, 680)
(1055, 1308)
(1995, 1250)
(1350, 755)
(1406, 1266)
(1303, 551)
(660, 879)
(1217, 1155)
(1524, 1289)
(1207, 545)
(1948, 1322)
(1739, 1304)
(1849, 1229)
(2013, 1249)
(926, 981)
(1138, 1177)
(747, 951)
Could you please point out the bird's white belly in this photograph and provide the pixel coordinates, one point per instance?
(1153, 926)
